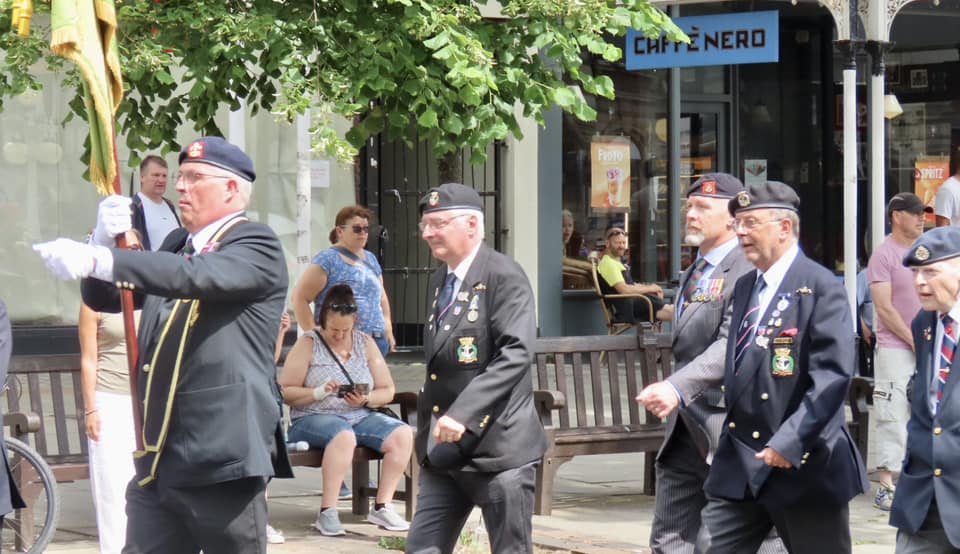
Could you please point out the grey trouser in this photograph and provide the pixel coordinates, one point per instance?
(447, 497)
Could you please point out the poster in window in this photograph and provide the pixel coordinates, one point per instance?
(610, 174)
(929, 173)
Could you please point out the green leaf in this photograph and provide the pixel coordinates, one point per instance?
(428, 119)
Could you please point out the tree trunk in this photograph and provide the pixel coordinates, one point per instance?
(450, 168)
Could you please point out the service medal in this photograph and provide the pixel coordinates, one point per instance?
(762, 341)
(783, 304)
(473, 316)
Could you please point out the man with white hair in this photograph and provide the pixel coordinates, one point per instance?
(478, 436)
(212, 298)
(785, 459)
(928, 494)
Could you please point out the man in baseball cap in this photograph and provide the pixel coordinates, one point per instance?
(896, 303)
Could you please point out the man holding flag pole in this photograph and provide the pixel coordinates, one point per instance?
(212, 298)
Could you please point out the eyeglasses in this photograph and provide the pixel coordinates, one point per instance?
(749, 223)
(344, 309)
(358, 229)
(616, 232)
(189, 178)
(437, 224)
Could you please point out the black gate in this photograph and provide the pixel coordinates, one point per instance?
(395, 177)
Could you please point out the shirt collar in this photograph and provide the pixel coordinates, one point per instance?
(463, 267)
(774, 276)
(204, 235)
(715, 256)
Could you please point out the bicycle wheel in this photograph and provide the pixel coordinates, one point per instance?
(30, 529)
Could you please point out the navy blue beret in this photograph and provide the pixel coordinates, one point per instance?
(936, 245)
(450, 196)
(768, 195)
(220, 153)
(715, 185)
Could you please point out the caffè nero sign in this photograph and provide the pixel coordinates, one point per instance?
(726, 39)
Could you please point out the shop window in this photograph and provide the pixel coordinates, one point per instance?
(614, 173)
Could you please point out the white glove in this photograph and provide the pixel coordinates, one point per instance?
(113, 218)
(68, 259)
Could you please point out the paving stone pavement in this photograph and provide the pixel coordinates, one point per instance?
(598, 509)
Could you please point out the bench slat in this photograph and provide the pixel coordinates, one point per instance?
(78, 410)
(59, 413)
(597, 388)
(578, 393)
(36, 405)
(613, 378)
(560, 369)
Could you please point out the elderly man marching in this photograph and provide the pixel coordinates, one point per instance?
(785, 458)
(926, 507)
(212, 297)
(478, 435)
(699, 348)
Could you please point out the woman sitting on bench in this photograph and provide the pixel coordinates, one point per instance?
(332, 379)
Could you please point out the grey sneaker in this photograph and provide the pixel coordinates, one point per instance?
(328, 523)
(388, 519)
(345, 492)
(274, 536)
(884, 498)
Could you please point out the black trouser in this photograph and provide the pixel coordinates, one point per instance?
(447, 497)
(637, 310)
(222, 518)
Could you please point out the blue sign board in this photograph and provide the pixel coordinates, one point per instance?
(727, 39)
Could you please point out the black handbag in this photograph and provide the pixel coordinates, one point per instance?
(382, 409)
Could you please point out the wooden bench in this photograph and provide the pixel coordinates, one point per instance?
(591, 383)
(44, 407)
(585, 399)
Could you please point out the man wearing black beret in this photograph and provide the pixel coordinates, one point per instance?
(927, 504)
(478, 436)
(699, 347)
(212, 297)
(785, 459)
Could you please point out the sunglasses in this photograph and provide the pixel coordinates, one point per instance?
(344, 309)
(358, 229)
(616, 232)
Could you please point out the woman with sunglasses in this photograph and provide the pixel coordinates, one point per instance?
(347, 261)
(108, 416)
(317, 367)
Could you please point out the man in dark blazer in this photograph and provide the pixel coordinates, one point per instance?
(212, 298)
(478, 435)
(928, 493)
(785, 458)
(9, 495)
(699, 350)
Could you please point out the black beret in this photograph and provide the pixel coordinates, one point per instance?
(217, 152)
(768, 195)
(450, 196)
(715, 185)
(936, 245)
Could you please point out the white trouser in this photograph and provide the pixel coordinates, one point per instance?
(111, 468)
(891, 407)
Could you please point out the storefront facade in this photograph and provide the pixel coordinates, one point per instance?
(778, 120)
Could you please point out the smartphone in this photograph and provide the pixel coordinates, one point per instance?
(362, 388)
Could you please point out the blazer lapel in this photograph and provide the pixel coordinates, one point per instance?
(462, 301)
(756, 356)
(925, 365)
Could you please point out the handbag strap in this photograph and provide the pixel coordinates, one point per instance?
(334, 356)
(346, 252)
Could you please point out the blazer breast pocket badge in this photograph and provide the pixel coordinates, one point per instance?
(783, 363)
(467, 351)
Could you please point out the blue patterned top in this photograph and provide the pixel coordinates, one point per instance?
(365, 282)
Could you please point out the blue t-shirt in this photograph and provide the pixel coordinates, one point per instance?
(363, 278)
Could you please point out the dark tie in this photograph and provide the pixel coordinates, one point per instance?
(188, 248)
(748, 325)
(694, 281)
(446, 296)
(948, 348)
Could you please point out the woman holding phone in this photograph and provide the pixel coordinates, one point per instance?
(332, 378)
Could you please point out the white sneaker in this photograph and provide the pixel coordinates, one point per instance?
(274, 536)
(388, 519)
(328, 523)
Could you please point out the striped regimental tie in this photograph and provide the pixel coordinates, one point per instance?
(748, 325)
(948, 348)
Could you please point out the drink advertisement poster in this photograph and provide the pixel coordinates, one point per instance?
(929, 173)
(610, 174)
